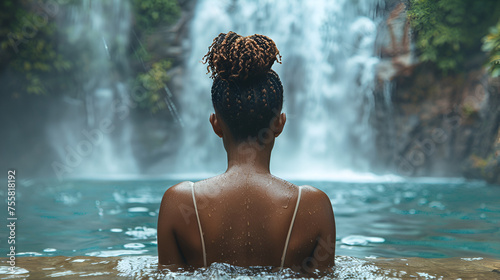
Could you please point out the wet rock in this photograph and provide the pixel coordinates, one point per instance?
(439, 123)
(395, 43)
(428, 124)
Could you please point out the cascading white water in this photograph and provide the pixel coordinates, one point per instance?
(327, 72)
(92, 137)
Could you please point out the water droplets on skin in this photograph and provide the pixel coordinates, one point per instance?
(287, 202)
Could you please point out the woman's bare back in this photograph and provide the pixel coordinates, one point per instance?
(245, 220)
(244, 216)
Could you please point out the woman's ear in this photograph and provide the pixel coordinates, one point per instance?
(279, 124)
(214, 120)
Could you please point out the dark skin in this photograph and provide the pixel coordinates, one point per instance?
(245, 214)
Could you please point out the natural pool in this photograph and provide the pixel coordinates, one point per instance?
(88, 219)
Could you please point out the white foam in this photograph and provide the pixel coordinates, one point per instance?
(141, 232)
(138, 209)
(426, 275)
(30, 254)
(134, 246)
(9, 270)
(62, 273)
(95, 274)
(360, 240)
(472, 259)
(116, 253)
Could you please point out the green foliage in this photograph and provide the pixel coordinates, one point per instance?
(35, 52)
(469, 111)
(478, 162)
(150, 14)
(491, 44)
(154, 82)
(448, 31)
(27, 48)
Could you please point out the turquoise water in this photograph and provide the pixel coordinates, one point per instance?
(447, 218)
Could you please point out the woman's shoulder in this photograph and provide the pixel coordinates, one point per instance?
(313, 192)
(314, 198)
(177, 191)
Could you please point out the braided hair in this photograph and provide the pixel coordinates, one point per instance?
(246, 92)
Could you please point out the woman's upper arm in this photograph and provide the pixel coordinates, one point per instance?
(168, 249)
(324, 252)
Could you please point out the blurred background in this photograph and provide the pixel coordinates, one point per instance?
(373, 88)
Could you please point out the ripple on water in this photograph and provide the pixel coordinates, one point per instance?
(15, 271)
(346, 268)
(116, 253)
(134, 246)
(141, 233)
(29, 254)
(62, 273)
(361, 240)
(472, 259)
(49, 250)
(138, 209)
(146, 267)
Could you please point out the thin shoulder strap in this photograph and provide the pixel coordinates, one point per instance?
(290, 229)
(199, 227)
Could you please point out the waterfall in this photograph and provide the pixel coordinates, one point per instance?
(327, 73)
(93, 131)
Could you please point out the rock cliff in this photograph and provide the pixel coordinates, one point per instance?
(429, 124)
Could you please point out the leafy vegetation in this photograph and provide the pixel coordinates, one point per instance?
(150, 14)
(154, 82)
(491, 44)
(152, 77)
(27, 47)
(35, 53)
(449, 31)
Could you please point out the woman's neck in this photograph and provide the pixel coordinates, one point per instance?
(249, 157)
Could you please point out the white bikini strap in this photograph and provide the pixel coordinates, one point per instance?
(199, 227)
(290, 229)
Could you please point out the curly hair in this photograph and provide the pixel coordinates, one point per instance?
(246, 92)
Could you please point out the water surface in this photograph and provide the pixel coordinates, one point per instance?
(102, 218)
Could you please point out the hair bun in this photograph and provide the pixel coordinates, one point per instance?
(238, 58)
